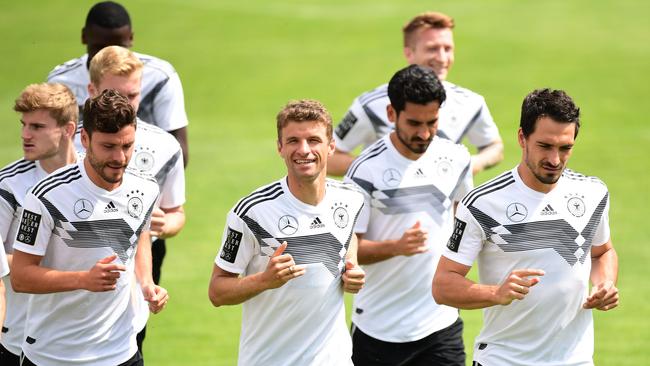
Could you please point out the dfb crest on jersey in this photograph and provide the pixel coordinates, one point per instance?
(443, 166)
(516, 212)
(340, 215)
(134, 205)
(576, 206)
(83, 208)
(288, 225)
(144, 160)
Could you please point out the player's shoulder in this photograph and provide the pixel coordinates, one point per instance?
(160, 136)
(378, 93)
(369, 156)
(69, 67)
(451, 147)
(461, 94)
(261, 195)
(343, 188)
(574, 178)
(15, 169)
(62, 178)
(489, 189)
(138, 176)
(156, 64)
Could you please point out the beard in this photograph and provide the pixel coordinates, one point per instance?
(415, 144)
(100, 167)
(536, 169)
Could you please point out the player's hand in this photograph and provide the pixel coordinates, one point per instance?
(281, 268)
(604, 296)
(412, 242)
(517, 285)
(158, 223)
(156, 296)
(103, 276)
(353, 278)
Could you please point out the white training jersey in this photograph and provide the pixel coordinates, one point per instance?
(396, 305)
(73, 223)
(162, 102)
(16, 179)
(302, 322)
(462, 114)
(505, 225)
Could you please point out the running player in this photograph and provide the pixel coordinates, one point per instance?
(286, 249)
(428, 41)
(539, 224)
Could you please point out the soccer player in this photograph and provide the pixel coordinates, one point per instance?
(75, 246)
(540, 233)
(49, 118)
(412, 180)
(156, 153)
(428, 42)
(286, 249)
(162, 101)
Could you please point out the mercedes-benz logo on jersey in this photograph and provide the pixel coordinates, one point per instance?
(144, 160)
(288, 225)
(576, 206)
(83, 208)
(341, 217)
(392, 177)
(516, 212)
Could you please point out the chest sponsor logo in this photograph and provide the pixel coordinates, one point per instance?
(316, 224)
(288, 225)
(231, 245)
(457, 235)
(83, 208)
(144, 160)
(516, 212)
(134, 205)
(28, 230)
(576, 206)
(392, 177)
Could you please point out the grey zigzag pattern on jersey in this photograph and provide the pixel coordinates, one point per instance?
(147, 105)
(161, 176)
(112, 233)
(558, 235)
(406, 200)
(322, 248)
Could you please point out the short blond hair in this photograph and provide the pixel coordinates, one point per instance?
(304, 110)
(430, 19)
(113, 60)
(56, 98)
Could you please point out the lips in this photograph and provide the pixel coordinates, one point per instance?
(304, 161)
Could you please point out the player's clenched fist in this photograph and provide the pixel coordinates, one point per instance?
(517, 285)
(103, 275)
(412, 242)
(353, 278)
(281, 268)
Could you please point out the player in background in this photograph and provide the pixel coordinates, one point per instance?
(540, 233)
(412, 180)
(48, 115)
(4, 270)
(156, 153)
(162, 102)
(428, 42)
(76, 245)
(288, 252)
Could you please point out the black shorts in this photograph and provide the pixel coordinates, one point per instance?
(444, 347)
(136, 360)
(7, 358)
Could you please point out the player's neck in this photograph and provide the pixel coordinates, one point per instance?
(310, 191)
(65, 156)
(531, 181)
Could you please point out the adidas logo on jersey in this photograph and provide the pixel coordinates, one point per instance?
(419, 173)
(110, 207)
(548, 210)
(316, 224)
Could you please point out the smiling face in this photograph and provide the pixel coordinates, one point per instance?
(432, 48)
(305, 148)
(546, 152)
(41, 135)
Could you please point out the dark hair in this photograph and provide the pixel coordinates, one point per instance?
(555, 104)
(108, 14)
(108, 112)
(414, 84)
(304, 110)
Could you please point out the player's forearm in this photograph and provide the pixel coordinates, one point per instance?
(338, 164)
(487, 157)
(604, 267)
(225, 290)
(35, 279)
(370, 251)
(143, 261)
(174, 222)
(452, 289)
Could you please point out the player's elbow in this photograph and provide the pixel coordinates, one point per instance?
(18, 281)
(438, 289)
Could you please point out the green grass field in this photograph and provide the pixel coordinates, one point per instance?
(240, 61)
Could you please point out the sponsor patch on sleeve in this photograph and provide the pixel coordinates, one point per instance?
(231, 246)
(456, 235)
(28, 230)
(346, 125)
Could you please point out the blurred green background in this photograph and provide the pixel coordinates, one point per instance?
(240, 61)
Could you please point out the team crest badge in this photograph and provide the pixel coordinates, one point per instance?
(134, 205)
(576, 206)
(340, 215)
(83, 208)
(288, 225)
(144, 161)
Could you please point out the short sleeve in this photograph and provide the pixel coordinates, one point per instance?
(4, 265)
(363, 219)
(35, 228)
(602, 234)
(483, 130)
(169, 105)
(238, 245)
(172, 192)
(8, 206)
(354, 130)
(466, 240)
(465, 184)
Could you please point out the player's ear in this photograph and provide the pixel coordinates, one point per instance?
(332, 147)
(70, 128)
(408, 54)
(279, 145)
(85, 138)
(390, 112)
(129, 44)
(83, 36)
(521, 138)
(92, 91)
